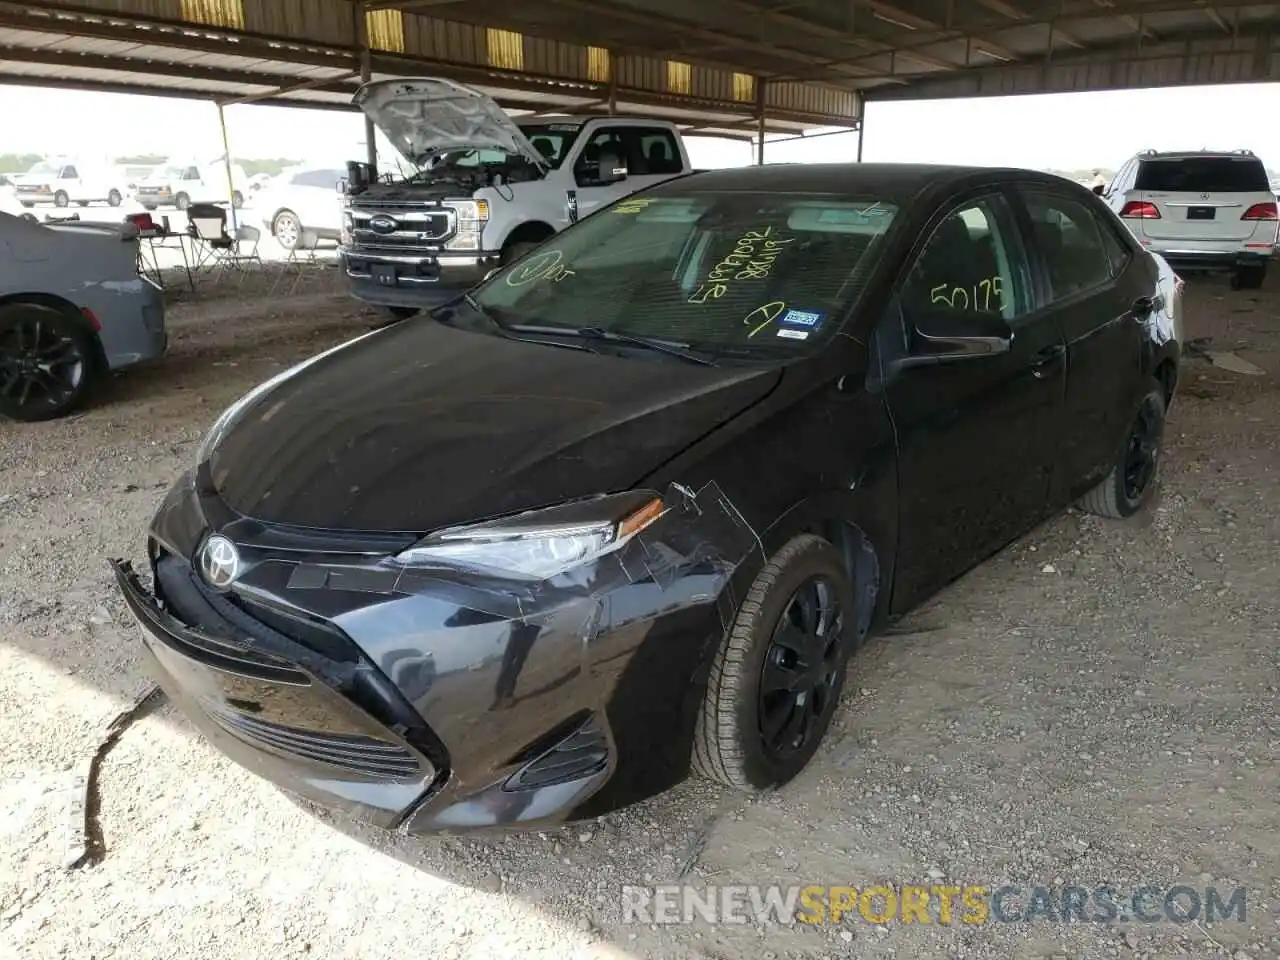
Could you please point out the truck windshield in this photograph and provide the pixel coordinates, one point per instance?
(44, 169)
(759, 274)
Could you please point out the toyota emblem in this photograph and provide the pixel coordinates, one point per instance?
(219, 561)
(383, 224)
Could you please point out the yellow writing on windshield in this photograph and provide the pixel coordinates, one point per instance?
(634, 205)
(763, 315)
(751, 258)
(540, 266)
(984, 296)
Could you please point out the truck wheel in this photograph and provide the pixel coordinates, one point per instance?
(60, 199)
(1249, 278)
(514, 251)
(114, 199)
(182, 201)
(237, 199)
(287, 229)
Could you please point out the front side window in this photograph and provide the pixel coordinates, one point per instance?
(1069, 238)
(607, 147)
(69, 173)
(191, 174)
(971, 264)
(752, 274)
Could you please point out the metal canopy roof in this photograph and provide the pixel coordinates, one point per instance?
(715, 66)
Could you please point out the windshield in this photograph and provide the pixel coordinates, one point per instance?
(552, 140)
(43, 169)
(737, 273)
(1204, 175)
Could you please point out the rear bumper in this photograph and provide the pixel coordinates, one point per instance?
(1185, 257)
(407, 280)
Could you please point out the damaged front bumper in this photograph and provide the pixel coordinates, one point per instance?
(430, 700)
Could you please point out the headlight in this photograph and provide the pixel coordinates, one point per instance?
(543, 543)
(472, 216)
(348, 228)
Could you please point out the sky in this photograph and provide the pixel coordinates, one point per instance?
(1060, 131)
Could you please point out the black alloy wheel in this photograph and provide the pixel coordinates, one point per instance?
(775, 680)
(1137, 469)
(799, 681)
(45, 362)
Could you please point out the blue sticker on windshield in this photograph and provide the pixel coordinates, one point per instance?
(807, 319)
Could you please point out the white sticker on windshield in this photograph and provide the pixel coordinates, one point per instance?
(791, 334)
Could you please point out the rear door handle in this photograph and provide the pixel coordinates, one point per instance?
(1046, 358)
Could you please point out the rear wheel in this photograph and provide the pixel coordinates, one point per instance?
(1136, 471)
(1249, 278)
(46, 362)
(776, 680)
(237, 199)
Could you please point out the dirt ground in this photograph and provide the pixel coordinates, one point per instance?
(1098, 704)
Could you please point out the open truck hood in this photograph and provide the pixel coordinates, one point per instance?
(424, 117)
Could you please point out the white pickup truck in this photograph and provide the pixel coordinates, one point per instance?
(487, 188)
(64, 182)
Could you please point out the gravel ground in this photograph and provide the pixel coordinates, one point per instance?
(1096, 704)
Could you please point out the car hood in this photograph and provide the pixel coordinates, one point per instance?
(420, 425)
(427, 116)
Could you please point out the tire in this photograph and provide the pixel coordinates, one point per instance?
(1249, 278)
(64, 356)
(237, 199)
(514, 251)
(730, 745)
(182, 201)
(1117, 497)
(60, 199)
(403, 313)
(114, 199)
(287, 229)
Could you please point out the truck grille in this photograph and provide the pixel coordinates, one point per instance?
(397, 228)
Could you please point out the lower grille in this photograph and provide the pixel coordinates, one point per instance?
(367, 756)
(582, 753)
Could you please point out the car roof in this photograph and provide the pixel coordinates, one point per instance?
(1194, 154)
(879, 179)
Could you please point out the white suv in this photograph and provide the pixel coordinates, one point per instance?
(1200, 211)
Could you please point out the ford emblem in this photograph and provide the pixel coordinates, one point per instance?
(383, 224)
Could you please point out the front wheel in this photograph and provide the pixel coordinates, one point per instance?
(45, 362)
(287, 229)
(114, 199)
(182, 201)
(60, 199)
(776, 680)
(1134, 475)
(237, 199)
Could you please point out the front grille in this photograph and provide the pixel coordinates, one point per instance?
(395, 241)
(367, 756)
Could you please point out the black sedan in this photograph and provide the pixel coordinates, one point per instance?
(628, 509)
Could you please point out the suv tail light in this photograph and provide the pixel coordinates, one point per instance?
(1140, 210)
(1261, 211)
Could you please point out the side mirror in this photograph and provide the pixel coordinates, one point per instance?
(1099, 188)
(341, 186)
(947, 335)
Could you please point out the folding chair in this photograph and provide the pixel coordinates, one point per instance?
(217, 249)
(301, 261)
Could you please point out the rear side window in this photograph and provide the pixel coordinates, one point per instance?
(1070, 240)
(1204, 175)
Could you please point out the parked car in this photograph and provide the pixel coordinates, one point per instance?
(641, 495)
(301, 206)
(72, 308)
(180, 185)
(63, 183)
(489, 188)
(1203, 210)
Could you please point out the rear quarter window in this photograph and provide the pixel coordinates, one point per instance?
(1204, 175)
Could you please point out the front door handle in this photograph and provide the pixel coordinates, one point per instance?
(1046, 358)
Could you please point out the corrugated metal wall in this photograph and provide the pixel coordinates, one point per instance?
(331, 23)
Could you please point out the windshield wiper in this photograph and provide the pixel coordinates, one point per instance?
(669, 347)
